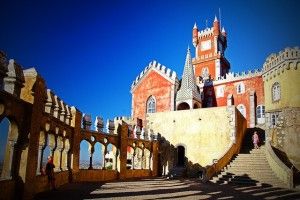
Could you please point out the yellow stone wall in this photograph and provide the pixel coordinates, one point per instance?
(205, 132)
(289, 81)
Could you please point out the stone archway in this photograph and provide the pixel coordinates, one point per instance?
(180, 155)
(183, 106)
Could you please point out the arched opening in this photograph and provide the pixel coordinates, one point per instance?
(183, 106)
(196, 105)
(111, 157)
(180, 156)
(151, 105)
(8, 139)
(130, 153)
(98, 156)
(85, 155)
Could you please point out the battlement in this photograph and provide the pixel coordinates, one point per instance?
(208, 32)
(231, 76)
(58, 109)
(274, 59)
(161, 69)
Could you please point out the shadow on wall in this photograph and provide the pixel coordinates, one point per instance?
(175, 164)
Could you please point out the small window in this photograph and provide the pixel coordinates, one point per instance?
(274, 118)
(220, 91)
(260, 111)
(276, 92)
(151, 107)
(240, 88)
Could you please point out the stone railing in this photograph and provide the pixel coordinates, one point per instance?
(57, 108)
(279, 168)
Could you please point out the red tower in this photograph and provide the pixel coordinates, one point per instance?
(210, 45)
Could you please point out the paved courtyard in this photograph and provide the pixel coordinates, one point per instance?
(160, 188)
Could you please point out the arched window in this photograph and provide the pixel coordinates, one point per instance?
(242, 109)
(276, 91)
(205, 72)
(151, 105)
(260, 114)
(240, 88)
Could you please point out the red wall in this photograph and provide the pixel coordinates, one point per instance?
(152, 84)
(251, 84)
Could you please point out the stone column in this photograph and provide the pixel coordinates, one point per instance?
(155, 147)
(6, 170)
(252, 109)
(123, 143)
(40, 157)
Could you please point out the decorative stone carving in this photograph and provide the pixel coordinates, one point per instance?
(87, 121)
(99, 124)
(3, 67)
(14, 81)
(110, 126)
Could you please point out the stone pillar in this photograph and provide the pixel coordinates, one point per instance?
(155, 148)
(38, 169)
(252, 109)
(75, 145)
(37, 117)
(229, 100)
(8, 157)
(123, 143)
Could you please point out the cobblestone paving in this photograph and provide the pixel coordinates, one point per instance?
(160, 188)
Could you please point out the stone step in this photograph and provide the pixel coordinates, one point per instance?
(248, 164)
(253, 176)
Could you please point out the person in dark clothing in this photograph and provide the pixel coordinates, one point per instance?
(50, 172)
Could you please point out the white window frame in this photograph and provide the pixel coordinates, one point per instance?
(220, 91)
(276, 93)
(151, 105)
(260, 114)
(240, 88)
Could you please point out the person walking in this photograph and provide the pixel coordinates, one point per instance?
(255, 140)
(50, 172)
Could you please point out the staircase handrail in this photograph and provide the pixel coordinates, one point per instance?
(284, 173)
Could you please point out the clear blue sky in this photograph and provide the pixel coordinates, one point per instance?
(89, 53)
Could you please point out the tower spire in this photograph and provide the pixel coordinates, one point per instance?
(188, 91)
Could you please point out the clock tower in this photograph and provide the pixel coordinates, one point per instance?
(210, 45)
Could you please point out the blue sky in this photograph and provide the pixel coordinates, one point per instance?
(89, 53)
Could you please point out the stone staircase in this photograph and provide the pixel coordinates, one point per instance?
(249, 169)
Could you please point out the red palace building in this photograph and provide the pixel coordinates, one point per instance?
(206, 82)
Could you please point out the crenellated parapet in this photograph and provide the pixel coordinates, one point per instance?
(231, 76)
(3, 67)
(208, 32)
(57, 108)
(275, 64)
(14, 81)
(159, 68)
